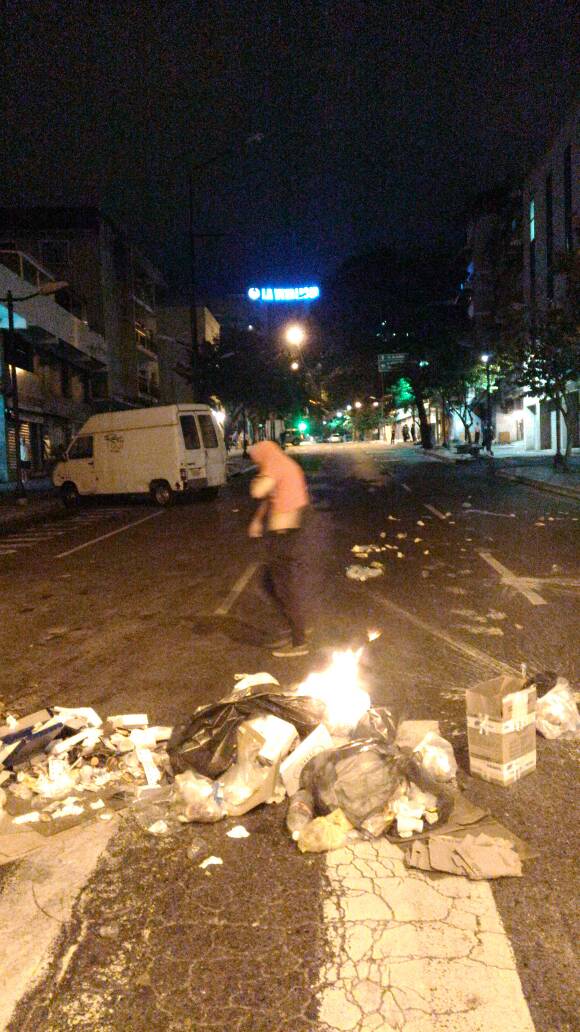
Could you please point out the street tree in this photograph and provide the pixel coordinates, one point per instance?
(540, 350)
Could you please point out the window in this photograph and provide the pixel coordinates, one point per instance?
(55, 254)
(208, 431)
(190, 434)
(532, 219)
(81, 448)
(532, 228)
(568, 242)
(549, 240)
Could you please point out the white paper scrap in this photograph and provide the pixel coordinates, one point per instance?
(238, 832)
(210, 861)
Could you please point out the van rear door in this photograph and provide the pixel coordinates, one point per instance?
(194, 453)
(214, 449)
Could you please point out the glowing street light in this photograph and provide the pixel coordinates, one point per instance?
(358, 404)
(375, 404)
(295, 366)
(339, 415)
(295, 335)
(349, 408)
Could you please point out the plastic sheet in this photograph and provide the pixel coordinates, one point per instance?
(208, 742)
(557, 713)
(436, 756)
(377, 722)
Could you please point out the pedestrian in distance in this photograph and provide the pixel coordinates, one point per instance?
(393, 433)
(413, 432)
(487, 438)
(406, 434)
(280, 485)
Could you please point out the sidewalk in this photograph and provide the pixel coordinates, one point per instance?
(42, 499)
(536, 469)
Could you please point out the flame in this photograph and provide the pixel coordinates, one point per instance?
(373, 635)
(339, 687)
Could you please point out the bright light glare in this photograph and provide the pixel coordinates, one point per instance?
(220, 416)
(375, 404)
(339, 415)
(295, 334)
(373, 635)
(295, 366)
(358, 404)
(339, 688)
(485, 359)
(349, 408)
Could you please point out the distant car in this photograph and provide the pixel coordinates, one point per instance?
(335, 439)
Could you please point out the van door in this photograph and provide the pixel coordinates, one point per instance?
(194, 453)
(80, 464)
(214, 454)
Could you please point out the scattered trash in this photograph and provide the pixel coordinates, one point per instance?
(557, 713)
(291, 768)
(474, 856)
(491, 632)
(495, 614)
(211, 861)
(363, 573)
(436, 757)
(400, 555)
(238, 832)
(324, 833)
(420, 523)
(300, 812)
(202, 797)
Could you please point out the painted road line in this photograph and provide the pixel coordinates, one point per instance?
(520, 584)
(407, 950)
(435, 511)
(103, 537)
(458, 646)
(240, 585)
(484, 512)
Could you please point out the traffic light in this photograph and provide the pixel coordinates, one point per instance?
(302, 426)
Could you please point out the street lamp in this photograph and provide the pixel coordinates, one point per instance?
(488, 435)
(295, 335)
(295, 366)
(349, 408)
(358, 404)
(46, 289)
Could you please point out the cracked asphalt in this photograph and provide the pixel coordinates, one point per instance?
(264, 941)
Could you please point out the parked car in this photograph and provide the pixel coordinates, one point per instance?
(335, 439)
(163, 451)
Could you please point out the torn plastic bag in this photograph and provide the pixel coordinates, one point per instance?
(324, 833)
(361, 777)
(208, 742)
(202, 798)
(377, 722)
(436, 756)
(557, 713)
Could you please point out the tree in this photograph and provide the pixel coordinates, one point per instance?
(540, 350)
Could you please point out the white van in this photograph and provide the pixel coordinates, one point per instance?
(160, 451)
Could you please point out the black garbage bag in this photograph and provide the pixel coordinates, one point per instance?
(207, 743)
(361, 777)
(377, 722)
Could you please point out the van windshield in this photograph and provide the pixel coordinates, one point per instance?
(82, 448)
(190, 434)
(208, 430)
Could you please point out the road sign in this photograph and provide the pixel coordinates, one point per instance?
(388, 362)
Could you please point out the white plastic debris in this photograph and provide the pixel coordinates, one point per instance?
(291, 768)
(85, 714)
(27, 818)
(279, 736)
(557, 712)
(211, 861)
(437, 757)
(363, 573)
(238, 832)
(251, 680)
(158, 828)
(128, 721)
(89, 738)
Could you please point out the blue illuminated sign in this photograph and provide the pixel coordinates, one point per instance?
(283, 293)
(19, 320)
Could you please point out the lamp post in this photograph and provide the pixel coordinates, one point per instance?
(45, 290)
(488, 434)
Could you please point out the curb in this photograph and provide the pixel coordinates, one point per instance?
(555, 489)
(32, 515)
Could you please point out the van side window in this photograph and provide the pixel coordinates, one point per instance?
(82, 448)
(190, 434)
(208, 430)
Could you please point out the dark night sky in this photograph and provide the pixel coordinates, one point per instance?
(380, 118)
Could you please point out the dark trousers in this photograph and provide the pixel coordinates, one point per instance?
(284, 579)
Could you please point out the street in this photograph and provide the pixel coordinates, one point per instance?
(125, 607)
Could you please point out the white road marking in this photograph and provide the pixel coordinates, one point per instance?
(458, 646)
(435, 511)
(520, 584)
(240, 585)
(409, 950)
(484, 512)
(406, 488)
(103, 537)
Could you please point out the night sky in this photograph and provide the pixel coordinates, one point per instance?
(380, 119)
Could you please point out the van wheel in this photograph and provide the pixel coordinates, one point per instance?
(208, 493)
(161, 493)
(69, 495)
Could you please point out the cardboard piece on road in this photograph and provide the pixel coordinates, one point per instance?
(11, 733)
(476, 856)
(501, 729)
(291, 768)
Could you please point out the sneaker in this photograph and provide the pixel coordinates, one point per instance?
(285, 639)
(289, 651)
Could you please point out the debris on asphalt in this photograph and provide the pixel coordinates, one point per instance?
(291, 768)
(436, 757)
(300, 812)
(324, 833)
(476, 857)
(211, 861)
(238, 832)
(363, 573)
(557, 714)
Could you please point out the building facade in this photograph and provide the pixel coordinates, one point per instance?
(115, 290)
(53, 368)
(177, 363)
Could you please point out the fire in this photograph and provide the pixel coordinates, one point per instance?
(373, 635)
(339, 687)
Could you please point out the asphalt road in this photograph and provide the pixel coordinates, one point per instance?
(115, 607)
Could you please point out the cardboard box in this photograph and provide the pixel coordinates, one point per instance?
(501, 729)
